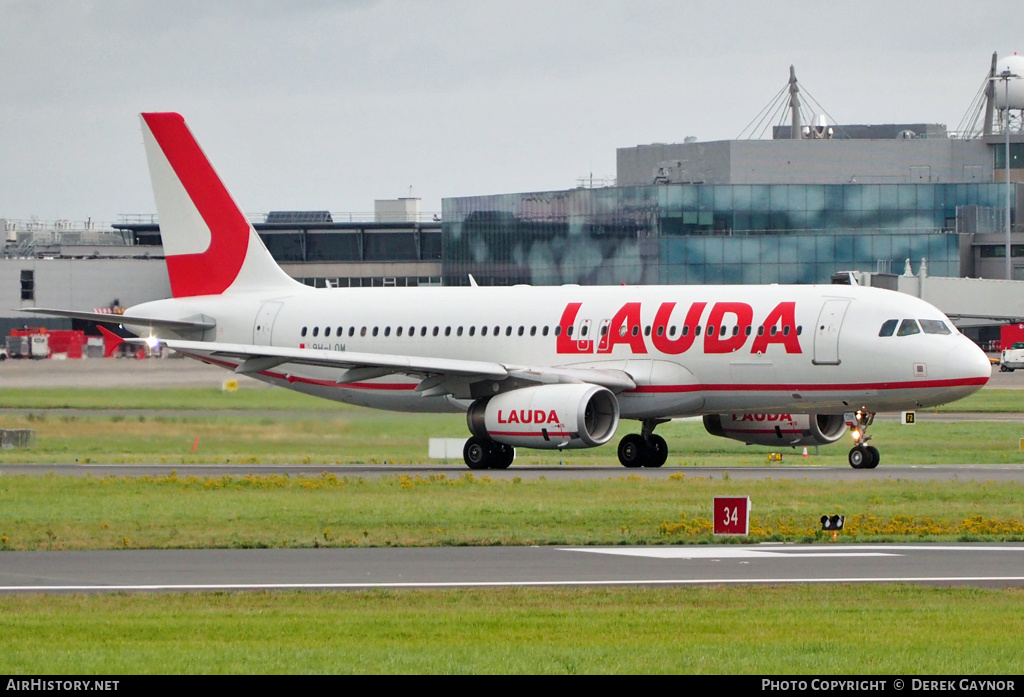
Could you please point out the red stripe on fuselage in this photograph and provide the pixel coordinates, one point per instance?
(213, 271)
(808, 387)
(644, 389)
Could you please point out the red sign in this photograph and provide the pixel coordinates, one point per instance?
(732, 515)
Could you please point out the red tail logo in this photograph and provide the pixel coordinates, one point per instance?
(210, 272)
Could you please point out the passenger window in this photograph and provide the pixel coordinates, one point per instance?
(435, 331)
(327, 331)
(472, 331)
(447, 331)
(303, 332)
(351, 331)
(533, 331)
(508, 331)
(375, 329)
(908, 327)
(398, 331)
(888, 327)
(558, 329)
(458, 332)
(387, 331)
(340, 331)
(934, 326)
(316, 331)
(520, 332)
(672, 330)
(362, 332)
(544, 330)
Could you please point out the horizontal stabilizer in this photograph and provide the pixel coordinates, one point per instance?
(152, 322)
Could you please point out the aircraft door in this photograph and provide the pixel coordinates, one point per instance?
(584, 339)
(602, 336)
(826, 332)
(263, 327)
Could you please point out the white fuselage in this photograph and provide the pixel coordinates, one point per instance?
(688, 349)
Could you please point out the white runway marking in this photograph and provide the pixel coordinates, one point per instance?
(724, 553)
(499, 584)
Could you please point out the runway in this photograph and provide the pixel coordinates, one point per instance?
(919, 473)
(981, 565)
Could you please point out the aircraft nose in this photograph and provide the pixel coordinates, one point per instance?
(969, 362)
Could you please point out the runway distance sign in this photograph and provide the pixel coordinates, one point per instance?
(732, 515)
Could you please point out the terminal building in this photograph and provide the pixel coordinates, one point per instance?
(813, 200)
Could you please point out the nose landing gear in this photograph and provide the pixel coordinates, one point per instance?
(862, 456)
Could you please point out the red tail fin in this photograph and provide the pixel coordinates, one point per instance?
(209, 244)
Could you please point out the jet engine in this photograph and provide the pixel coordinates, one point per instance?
(777, 429)
(547, 416)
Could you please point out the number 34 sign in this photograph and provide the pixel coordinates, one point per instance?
(732, 515)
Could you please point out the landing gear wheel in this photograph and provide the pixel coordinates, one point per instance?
(873, 457)
(858, 457)
(477, 453)
(633, 451)
(657, 451)
(503, 456)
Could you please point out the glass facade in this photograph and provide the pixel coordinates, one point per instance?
(697, 234)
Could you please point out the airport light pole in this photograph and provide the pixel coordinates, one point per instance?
(1005, 77)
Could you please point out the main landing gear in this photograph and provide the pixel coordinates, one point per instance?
(644, 449)
(486, 454)
(862, 456)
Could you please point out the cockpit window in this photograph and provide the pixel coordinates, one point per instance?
(888, 327)
(908, 327)
(934, 326)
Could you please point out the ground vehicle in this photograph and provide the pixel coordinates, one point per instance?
(1012, 358)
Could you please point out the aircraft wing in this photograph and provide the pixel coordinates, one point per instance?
(354, 366)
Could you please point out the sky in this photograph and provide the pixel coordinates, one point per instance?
(329, 105)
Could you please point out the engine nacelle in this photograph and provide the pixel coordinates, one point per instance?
(777, 429)
(547, 416)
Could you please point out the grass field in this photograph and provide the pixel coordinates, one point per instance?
(808, 630)
(179, 511)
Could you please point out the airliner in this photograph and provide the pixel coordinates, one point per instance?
(543, 367)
